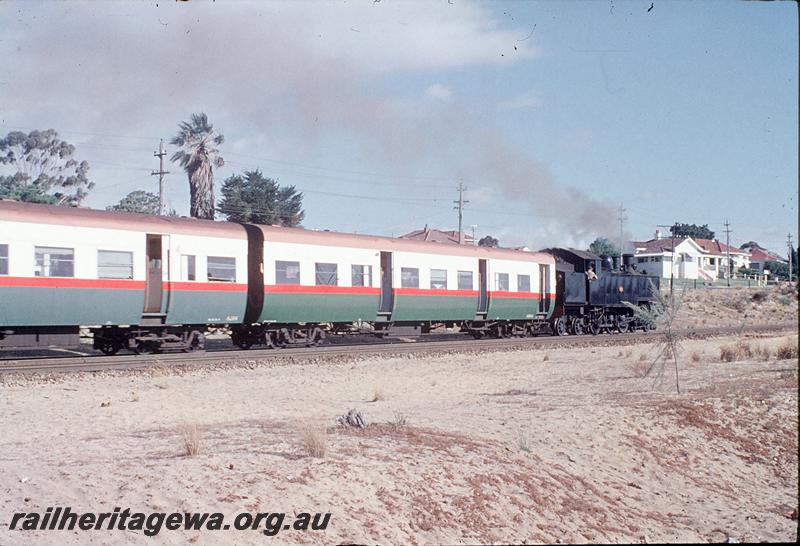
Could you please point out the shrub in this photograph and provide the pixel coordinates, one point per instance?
(787, 351)
(733, 353)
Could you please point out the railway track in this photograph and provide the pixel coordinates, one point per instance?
(94, 363)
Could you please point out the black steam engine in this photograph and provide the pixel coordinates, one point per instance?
(593, 293)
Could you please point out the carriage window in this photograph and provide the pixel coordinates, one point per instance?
(54, 262)
(327, 274)
(188, 262)
(409, 277)
(287, 272)
(3, 259)
(439, 279)
(221, 269)
(112, 264)
(465, 280)
(502, 282)
(523, 283)
(361, 275)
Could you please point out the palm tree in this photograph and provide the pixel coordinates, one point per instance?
(198, 156)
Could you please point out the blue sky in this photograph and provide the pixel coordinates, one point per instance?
(551, 113)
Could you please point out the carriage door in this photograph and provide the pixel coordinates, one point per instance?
(483, 295)
(387, 296)
(544, 288)
(153, 292)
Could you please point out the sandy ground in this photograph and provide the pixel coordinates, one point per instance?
(567, 445)
(737, 306)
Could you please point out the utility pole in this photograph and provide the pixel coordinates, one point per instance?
(460, 208)
(622, 219)
(473, 226)
(789, 244)
(728, 250)
(162, 151)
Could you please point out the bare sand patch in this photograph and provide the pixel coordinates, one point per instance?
(504, 447)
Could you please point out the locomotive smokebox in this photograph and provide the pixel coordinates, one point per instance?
(606, 262)
(627, 262)
(615, 265)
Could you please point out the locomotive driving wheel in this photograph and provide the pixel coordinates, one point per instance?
(576, 326)
(622, 324)
(560, 326)
(594, 326)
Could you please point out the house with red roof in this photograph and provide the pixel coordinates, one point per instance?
(760, 256)
(438, 236)
(688, 258)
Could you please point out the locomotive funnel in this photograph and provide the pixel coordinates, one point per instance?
(627, 262)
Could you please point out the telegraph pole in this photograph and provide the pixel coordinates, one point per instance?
(728, 250)
(473, 226)
(162, 151)
(789, 244)
(460, 208)
(622, 219)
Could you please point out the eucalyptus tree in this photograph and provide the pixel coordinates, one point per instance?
(38, 167)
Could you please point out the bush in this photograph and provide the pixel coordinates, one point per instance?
(787, 351)
(737, 351)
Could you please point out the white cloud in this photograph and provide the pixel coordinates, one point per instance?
(529, 99)
(439, 92)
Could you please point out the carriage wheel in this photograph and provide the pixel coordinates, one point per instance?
(560, 327)
(110, 348)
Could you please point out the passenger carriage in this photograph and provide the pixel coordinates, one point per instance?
(137, 281)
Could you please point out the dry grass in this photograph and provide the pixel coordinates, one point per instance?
(377, 394)
(738, 351)
(762, 352)
(523, 442)
(787, 351)
(190, 434)
(639, 367)
(399, 420)
(314, 440)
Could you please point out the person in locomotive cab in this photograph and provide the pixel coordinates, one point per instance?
(590, 274)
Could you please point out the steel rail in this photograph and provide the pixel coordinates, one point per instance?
(92, 363)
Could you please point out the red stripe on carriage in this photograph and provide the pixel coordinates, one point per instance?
(70, 282)
(434, 292)
(501, 294)
(204, 286)
(320, 289)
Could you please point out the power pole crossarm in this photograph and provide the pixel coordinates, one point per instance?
(160, 154)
